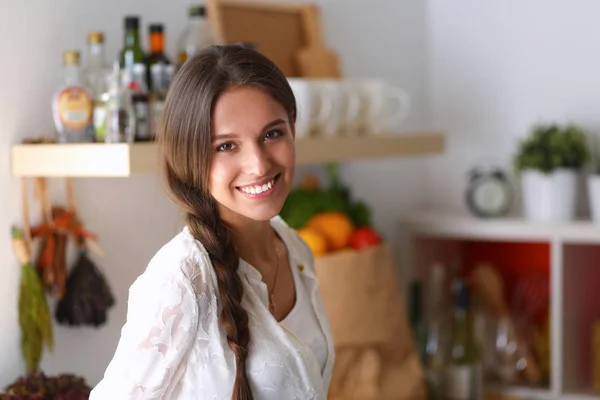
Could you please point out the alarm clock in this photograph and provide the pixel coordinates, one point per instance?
(489, 193)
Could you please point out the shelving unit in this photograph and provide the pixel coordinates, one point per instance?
(580, 396)
(124, 160)
(518, 392)
(569, 253)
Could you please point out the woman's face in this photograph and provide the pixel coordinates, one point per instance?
(252, 168)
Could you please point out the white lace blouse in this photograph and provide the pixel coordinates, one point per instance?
(302, 321)
(172, 345)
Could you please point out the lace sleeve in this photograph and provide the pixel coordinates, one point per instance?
(162, 319)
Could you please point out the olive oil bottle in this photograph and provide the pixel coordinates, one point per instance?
(463, 377)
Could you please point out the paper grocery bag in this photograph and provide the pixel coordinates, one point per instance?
(376, 355)
(362, 297)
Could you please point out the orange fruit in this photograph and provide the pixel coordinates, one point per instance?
(315, 240)
(337, 228)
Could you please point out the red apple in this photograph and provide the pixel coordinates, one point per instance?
(364, 237)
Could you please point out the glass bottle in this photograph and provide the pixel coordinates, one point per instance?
(132, 52)
(463, 378)
(157, 51)
(419, 330)
(141, 102)
(73, 104)
(170, 71)
(96, 75)
(120, 120)
(96, 68)
(195, 35)
(437, 332)
(158, 94)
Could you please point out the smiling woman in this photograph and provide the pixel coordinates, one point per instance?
(252, 170)
(229, 308)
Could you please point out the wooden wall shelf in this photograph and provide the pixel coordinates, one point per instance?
(124, 160)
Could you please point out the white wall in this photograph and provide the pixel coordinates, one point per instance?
(383, 38)
(495, 69)
(33, 35)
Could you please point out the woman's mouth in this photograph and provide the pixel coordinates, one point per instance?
(260, 190)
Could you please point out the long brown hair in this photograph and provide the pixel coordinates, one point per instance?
(185, 143)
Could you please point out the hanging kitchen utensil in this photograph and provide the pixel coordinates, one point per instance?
(34, 314)
(315, 60)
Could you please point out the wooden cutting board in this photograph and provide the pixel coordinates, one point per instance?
(316, 60)
(289, 34)
(275, 29)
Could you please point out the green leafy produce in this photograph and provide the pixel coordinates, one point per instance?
(305, 202)
(360, 213)
(302, 204)
(34, 315)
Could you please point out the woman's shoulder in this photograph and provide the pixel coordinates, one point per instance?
(182, 258)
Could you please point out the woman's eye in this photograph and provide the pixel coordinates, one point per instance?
(225, 147)
(273, 134)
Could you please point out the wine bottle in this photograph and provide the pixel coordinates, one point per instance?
(463, 377)
(132, 52)
(419, 332)
(437, 330)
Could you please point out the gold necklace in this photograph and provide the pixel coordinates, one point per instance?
(272, 305)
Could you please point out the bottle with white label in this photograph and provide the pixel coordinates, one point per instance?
(120, 119)
(141, 103)
(157, 97)
(73, 104)
(463, 377)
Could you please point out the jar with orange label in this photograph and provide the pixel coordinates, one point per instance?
(73, 104)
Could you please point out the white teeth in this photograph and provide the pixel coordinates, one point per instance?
(258, 189)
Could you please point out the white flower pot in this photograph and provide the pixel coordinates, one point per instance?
(594, 196)
(549, 197)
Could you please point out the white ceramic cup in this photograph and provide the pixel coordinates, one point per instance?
(345, 106)
(355, 108)
(312, 109)
(388, 106)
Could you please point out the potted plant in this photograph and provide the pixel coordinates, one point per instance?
(549, 161)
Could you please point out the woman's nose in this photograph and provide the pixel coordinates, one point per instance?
(256, 161)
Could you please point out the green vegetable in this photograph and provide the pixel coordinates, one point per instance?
(336, 184)
(360, 214)
(34, 315)
(303, 203)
